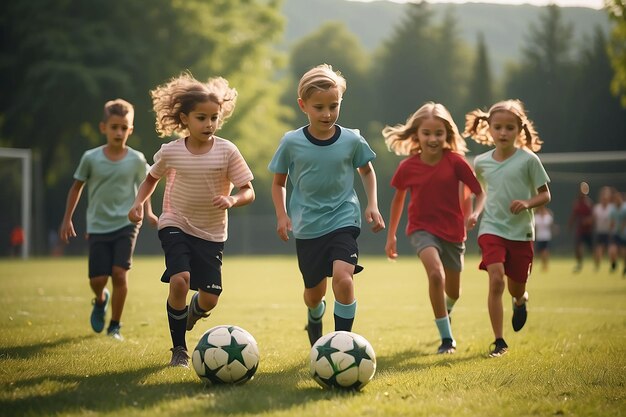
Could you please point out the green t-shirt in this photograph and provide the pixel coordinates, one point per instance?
(111, 186)
(516, 178)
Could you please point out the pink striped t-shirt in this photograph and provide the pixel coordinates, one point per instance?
(191, 183)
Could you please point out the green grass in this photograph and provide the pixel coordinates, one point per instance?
(569, 360)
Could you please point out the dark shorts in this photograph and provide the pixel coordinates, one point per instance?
(601, 239)
(585, 239)
(618, 240)
(541, 245)
(517, 256)
(316, 256)
(107, 250)
(201, 258)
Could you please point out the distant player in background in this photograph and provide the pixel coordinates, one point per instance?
(201, 170)
(435, 175)
(581, 220)
(621, 232)
(320, 160)
(544, 229)
(616, 242)
(516, 182)
(602, 224)
(112, 174)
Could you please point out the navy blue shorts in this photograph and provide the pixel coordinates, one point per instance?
(107, 250)
(316, 256)
(201, 258)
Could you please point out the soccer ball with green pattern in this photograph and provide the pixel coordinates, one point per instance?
(343, 360)
(226, 354)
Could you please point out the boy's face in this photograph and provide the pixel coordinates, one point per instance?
(322, 109)
(117, 130)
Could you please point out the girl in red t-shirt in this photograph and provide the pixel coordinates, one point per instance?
(435, 174)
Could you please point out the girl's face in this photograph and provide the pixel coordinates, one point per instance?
(431, 135)
(117, 129)
(202, 121)
(322, 109)
(504, 129)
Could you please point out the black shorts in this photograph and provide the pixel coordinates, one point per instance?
(201, 258)
(316, 256)
(541, 245)
(107, 250)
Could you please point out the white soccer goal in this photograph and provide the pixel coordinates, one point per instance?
(25, 156)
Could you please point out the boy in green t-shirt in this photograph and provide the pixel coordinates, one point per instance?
(112, 173)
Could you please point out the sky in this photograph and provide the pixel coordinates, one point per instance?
(594, 4)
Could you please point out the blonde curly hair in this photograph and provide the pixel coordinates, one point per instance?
(402, 138)
(181, 94)
(477, 125)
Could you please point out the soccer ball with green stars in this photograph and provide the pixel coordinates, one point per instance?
(226, 354)
(342, 360)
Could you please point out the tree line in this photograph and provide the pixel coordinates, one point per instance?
(60, 64)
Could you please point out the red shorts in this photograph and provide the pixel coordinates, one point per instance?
(517, 256)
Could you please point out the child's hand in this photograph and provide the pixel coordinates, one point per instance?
(375, 219)
(390, 248)
(283, 227)
(66, 231)
(135, 214)
(472, 220)
(517, 206)
(223, 202)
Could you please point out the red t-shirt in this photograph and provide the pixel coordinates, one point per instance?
(582, 216)
(435, 205)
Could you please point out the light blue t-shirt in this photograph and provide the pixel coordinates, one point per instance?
(111, 187)
(516, 178)
(323, 198)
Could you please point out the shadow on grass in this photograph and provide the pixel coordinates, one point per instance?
(30, 350)
(420, 359)
(117, 393)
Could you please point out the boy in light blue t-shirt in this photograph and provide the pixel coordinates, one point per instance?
(112, 173)
(324, 211)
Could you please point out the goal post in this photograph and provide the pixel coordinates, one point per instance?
(25, 156)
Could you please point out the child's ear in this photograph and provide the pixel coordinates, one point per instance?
(103, 127)
(301, 104)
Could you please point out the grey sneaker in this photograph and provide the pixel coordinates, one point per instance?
(114, 332)
(98, 312)
(192, 315)
(179, 357)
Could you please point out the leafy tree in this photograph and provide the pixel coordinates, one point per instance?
(617, 47)
(544, 77)
(480, 90)
(420, 62)
(598, 122)
(58, 67)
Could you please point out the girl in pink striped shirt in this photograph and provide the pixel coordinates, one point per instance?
(201, 171)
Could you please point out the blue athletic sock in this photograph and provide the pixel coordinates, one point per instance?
(344, 316)
(317, 313)
(177, 320)
(450, 303)
(443, 324)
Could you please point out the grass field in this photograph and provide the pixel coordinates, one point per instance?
(569, 360)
